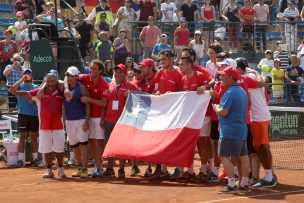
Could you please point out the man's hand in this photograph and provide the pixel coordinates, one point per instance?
(102, 123)
(30, 101)
(201, 90)
(67, 94)
(214, 94)
(85, 126)
(294, 83)
(85, 99)
(126, 93)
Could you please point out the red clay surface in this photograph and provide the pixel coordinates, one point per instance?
(27, 185)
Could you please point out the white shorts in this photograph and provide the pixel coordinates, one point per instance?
(277, 93)
(96, 132)
(75, 132)
(51, 141)
(205, 130)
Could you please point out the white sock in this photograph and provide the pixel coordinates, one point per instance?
(268, 175)
(216, 171)
(72, 155)
(231, 182)
(211, 164)
(21, 157)
(204, 169)
(35, 156)
(43, 159)
(244, 181)
(235, 169)
(164, 168)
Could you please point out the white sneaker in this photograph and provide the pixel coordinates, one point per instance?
(49, 173)
(61, 172)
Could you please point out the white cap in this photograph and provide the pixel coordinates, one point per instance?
(198, 32)
(73, 71)
(228, 62)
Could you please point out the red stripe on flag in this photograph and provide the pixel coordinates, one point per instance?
(174, 147)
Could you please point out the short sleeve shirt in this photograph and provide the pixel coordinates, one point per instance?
(168, 81)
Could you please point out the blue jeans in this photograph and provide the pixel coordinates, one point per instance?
(147, 52)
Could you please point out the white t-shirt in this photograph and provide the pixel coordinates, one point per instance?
(20, 27)
(261, 12)
(198, 48)
(270, 63)
(258, 109)
(169, 9)
(211, 68)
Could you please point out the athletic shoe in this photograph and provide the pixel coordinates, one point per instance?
(121, 173)
(176, 174)
(96, 172)
(49, 173)
(135, 171)
(254, 181)
(156, 175)
(202, 177)
(164, 175)
(61, 172)
(228, 190)
(77, 173)
(222, 176)
(71, 162)
(245, 188)
(187, 176)
(212, 178)
(20, 164)
(109, 172)
(267, 184)
(84, 173)
(148, 172)
(36, 163)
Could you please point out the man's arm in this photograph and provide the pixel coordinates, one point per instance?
(15, 86)
(99, 102)
(220, 111)
(21, 93)
(84, 92)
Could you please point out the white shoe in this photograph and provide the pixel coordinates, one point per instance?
(61, 172)
(49, 173)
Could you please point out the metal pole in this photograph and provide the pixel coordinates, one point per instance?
(56, 15)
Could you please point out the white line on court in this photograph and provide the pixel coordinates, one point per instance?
(252, 196)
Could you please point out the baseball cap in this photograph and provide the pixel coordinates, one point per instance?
(121, 67)
(27, 71)
(198, 32)
(231, 72)
(268, 52)
(149, 62)
(163, 35)
(228, 62)
(6, 31)
(19, 13)
(291, 2)
(72, 71)
(53, 71)
(137, 69)
(183, 19)
(103, 33)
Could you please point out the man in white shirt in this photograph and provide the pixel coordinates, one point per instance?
(261, 16)
(168, 10)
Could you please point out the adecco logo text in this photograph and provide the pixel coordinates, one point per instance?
(42, 59)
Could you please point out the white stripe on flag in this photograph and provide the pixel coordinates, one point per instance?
(177, 110)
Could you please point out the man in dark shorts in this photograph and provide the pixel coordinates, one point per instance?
(27, 118)
(233, 129)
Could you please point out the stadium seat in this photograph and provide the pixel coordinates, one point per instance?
(1, 35)
(7, 21)
(275, 36)
(301, 35)
(8, 8)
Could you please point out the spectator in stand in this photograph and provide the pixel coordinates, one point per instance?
(115, 5)
(190, 12)
(28, 122)
(13, 74)
(50, 18)
(292, 73)
(149, 37)
(103, 47)
(130, 64)
(162, 45)
(283, 4)
(147, 8)
(199, 47)
(85, 31)
(282, 53)
(266, 65)
(247, 16)
(27, 7)
(8, 48)
(272, 9)
(109, 69)
(208, 17)
(291, 15)
(261, 17)
(211, 65)
(24, 44)
(100, 8)
(3, 96)
(126, 15)
(104, 26)
(181, 38)
(40, 6)
(278, 76)
(301, 55)
(231, 14)
(121, 47)
(20, 25)
(168, 9)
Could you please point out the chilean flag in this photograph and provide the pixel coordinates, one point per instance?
(159, 129)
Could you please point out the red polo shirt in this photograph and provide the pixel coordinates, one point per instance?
(168, 81)
(117, 94)
(50, 109)
(97, 91)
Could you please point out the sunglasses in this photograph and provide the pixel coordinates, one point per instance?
(68, 75)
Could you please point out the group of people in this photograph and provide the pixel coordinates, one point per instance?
(234, 131)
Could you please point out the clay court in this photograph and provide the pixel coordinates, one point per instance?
(27, 185)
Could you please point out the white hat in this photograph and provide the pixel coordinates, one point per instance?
(17, 57)
(73, 71)
(228, 62)
(198, 32)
